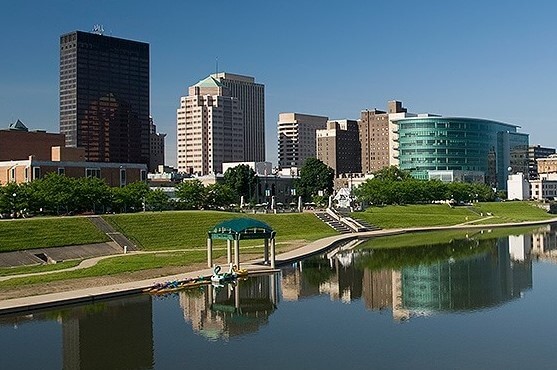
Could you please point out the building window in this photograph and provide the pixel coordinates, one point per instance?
(143, 175)
(36, 173)
(26, 174)
(61, 171)
(93, 172)
(12, 174)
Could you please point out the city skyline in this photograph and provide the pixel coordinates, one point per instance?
(473, 59)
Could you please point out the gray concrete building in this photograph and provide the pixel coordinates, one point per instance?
(156, 139)
(252, 102)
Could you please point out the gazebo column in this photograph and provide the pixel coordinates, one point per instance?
(209, 252)
(229, 251)
(237, 253)
(266, 251)
(273, 253)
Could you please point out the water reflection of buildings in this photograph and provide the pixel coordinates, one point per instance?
(106, 335)
(231, 310)
(544, 243)
(496, 275)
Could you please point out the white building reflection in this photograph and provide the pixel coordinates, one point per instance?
(221, 313)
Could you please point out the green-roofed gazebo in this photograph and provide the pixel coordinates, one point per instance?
(237, 229)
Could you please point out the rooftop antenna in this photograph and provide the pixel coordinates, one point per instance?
(98, 29)
(216, 66)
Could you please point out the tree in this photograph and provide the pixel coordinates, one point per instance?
(218, 196)
(392, 173)
(314, 176)
(93, 194)
(156, 200)
(130, 197)
(191, 194)
(242, 180)
(55, 193)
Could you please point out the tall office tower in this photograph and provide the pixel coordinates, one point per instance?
(297, 138)
(378, 136)
(338, 146)
(156, 155)
(210, 128)
(252, 101)
(104, 97)
(535, 152)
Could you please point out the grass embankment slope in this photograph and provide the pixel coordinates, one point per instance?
(188, 229)
(47, 232)
(390, 217)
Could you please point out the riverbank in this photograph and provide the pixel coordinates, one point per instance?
(106, 291)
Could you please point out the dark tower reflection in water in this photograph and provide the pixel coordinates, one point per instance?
(109, 335)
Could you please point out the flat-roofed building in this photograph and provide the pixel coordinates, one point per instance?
(536, 152)
(251, 96)
(70, 162)
(18, 142)
(379, 136)
(297, 138)
(104, 96)
(338, 146)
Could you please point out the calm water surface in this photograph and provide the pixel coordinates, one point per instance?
(465, 302)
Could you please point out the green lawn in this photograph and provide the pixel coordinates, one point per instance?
(188, 229)
(505, 212)
(47, 232)
(6, 271)
(117, 265)
(390, 217)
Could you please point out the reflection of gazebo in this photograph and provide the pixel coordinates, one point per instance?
(237, 229)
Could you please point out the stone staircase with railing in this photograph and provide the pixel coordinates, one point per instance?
(345, 218)
(335, 224)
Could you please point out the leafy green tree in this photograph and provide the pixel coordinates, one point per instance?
(93, 194)
(242, 180)
(218, 196)
(156, 200)
(55, 194)
(13, 198)
(314, 176)
(129, 198)
(392, 173)
(191, 194)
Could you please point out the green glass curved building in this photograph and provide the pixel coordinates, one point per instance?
(461, 149)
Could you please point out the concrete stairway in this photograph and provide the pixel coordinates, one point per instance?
(337, 225)
(116, 236)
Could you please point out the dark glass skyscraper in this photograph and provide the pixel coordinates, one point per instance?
(104, 97)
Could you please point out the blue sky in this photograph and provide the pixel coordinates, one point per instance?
(494, 60)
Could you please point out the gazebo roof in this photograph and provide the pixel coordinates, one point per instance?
(242, 228)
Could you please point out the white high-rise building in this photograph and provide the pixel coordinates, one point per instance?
(210, 128)
(252, 101)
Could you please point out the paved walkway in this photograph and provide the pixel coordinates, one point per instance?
(25, 304)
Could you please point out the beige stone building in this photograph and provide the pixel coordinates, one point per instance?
(338, 146)
(297, 138)
(547, 165)
(252, 102)
(210, 128)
